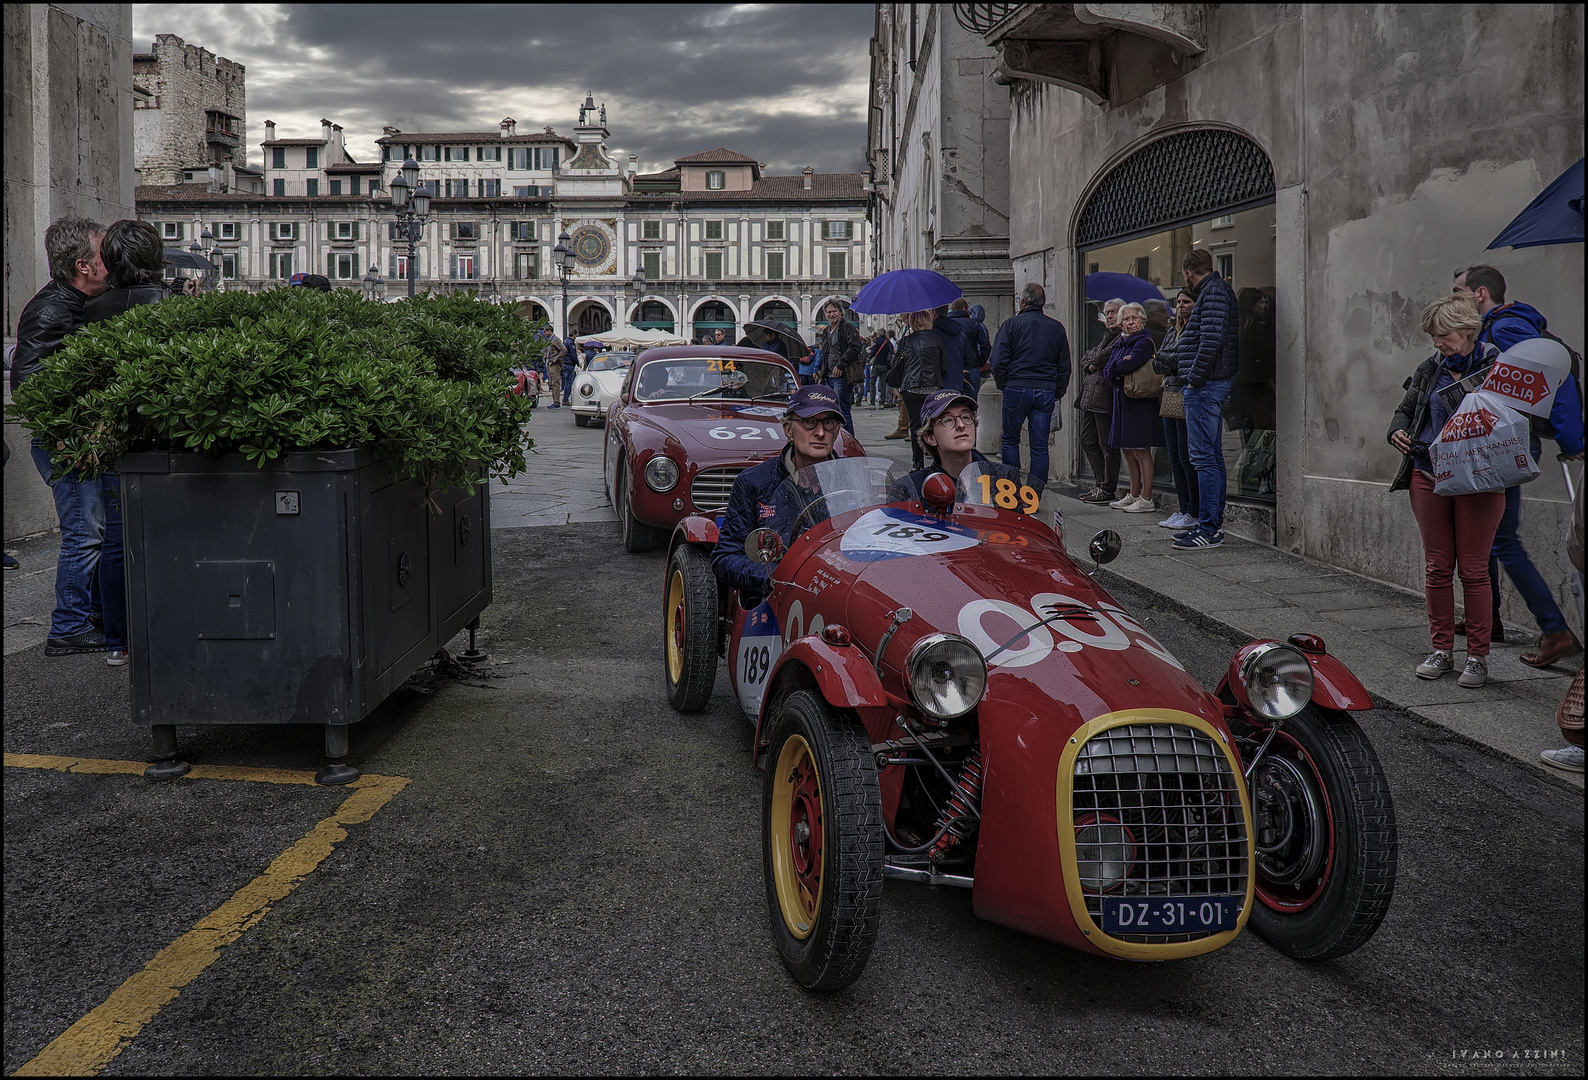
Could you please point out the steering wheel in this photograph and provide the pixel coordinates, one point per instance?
(818, 501)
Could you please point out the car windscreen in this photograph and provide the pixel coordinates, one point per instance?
(682, 378)
(830, 488)
(611, 361)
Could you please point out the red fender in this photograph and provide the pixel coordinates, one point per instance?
(1333, 684)
(842, 673)
(693, 530)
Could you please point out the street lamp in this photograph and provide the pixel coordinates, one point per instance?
(564, 255)
(374, 287)
(639, 292)
(412, 205)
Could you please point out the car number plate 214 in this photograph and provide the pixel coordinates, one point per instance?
(1171, 915)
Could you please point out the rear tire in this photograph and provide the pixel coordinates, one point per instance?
(637, 537)
(689, 612)
(1321, 808)
(822, 842)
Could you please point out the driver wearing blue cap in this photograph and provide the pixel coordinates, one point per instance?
(948, 433)
(811, 422)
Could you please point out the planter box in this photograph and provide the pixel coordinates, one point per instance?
(301, 593)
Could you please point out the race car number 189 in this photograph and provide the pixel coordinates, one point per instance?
(1008, 495)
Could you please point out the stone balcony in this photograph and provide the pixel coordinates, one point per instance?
(1107, 53)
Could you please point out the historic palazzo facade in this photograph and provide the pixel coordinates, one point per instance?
(718, 242)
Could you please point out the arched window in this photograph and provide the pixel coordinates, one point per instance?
(652, 315)
(715, 315)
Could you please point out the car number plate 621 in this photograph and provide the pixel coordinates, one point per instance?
(1171, 915)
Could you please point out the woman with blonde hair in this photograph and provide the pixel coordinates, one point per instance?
(922, 358)
(1457, 530)
(1135, 428)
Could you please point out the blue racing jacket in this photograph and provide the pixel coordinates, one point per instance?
(759, 498)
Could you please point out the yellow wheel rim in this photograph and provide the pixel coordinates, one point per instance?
(798, 839)
(675, 627)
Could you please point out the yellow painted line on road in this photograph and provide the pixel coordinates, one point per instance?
(135, 768)
(89, 1045)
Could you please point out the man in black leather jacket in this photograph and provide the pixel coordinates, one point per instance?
(83, 580)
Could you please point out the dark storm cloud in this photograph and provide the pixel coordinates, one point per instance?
(783, 83)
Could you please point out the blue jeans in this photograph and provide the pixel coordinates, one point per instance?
(1204, 423)
(1529, 582)
(1022, 406)
(1185, 474)
(840, 386)
(973, 382)
(90, 579)
(567, 380)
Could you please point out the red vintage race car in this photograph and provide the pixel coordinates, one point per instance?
(940, 694)
(688, 421)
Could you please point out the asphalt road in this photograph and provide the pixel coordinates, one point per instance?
(572, 883)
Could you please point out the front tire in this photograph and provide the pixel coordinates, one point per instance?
(637, 536)
(581, 421)
(822, 842)
(1324, 829)
(689, 608)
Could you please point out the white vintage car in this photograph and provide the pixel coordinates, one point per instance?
(597, 386)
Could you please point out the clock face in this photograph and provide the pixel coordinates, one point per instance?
(591, 246)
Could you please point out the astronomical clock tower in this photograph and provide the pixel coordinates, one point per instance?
(590, 190)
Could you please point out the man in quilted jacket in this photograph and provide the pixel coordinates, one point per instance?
(1208, 351)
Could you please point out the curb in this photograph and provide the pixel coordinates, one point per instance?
(1237, 637)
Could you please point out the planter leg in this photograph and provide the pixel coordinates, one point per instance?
(165, 765)
(471, 655)
(336, 748)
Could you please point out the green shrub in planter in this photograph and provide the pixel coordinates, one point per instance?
(423, 381)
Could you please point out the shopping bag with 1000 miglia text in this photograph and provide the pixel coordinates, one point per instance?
(1482, 447)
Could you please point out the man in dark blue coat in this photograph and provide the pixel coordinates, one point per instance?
(1209, 351)
(1031, 365)
(760, 498)
(1504, 325)
(959, 352)
(978, 347)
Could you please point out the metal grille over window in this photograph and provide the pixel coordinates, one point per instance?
(711, 488)
(980, 18)
(1157, 814)
(1176, 180)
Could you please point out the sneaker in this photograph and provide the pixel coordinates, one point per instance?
(12, 564)
(91, 641)
(1099, 497)
(553, 405)
(1197, 539)
(1175, 520)
(1475, 674)
(1569, 758)
(1142, 505)
(1123, 501)
(1437, 664)
(1090, 494)
(118, 657)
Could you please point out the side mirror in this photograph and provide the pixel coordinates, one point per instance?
(764, 546)
(1104, 547)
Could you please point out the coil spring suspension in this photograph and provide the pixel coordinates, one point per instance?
(962, 814)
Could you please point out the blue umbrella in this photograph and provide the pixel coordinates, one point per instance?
(1127, 287)
(1555, 217)
(899, 291)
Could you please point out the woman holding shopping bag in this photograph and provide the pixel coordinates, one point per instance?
(1457, 530)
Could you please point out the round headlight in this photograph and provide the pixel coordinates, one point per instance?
(1104, 852)
(947, 675)
(661, 473)
(1278, 681)
(587, 389)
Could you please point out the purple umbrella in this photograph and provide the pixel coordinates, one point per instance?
(899, 291)
(1127, 287)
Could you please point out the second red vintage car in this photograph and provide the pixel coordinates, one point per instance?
(688, 421)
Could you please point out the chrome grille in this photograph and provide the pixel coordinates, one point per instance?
(711, 487)
(1174, 789)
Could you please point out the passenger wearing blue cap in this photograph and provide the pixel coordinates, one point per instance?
(948, 433)
(811, 421)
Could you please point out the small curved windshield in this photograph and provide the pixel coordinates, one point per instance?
(610, 361)
(830, 488)
(1003, 487)
(683, 378)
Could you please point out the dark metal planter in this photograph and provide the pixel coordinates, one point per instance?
(301, 593)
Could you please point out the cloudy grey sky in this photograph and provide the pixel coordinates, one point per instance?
(784, 83)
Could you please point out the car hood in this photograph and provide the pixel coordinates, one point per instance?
(988, 589)
(743, 428)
